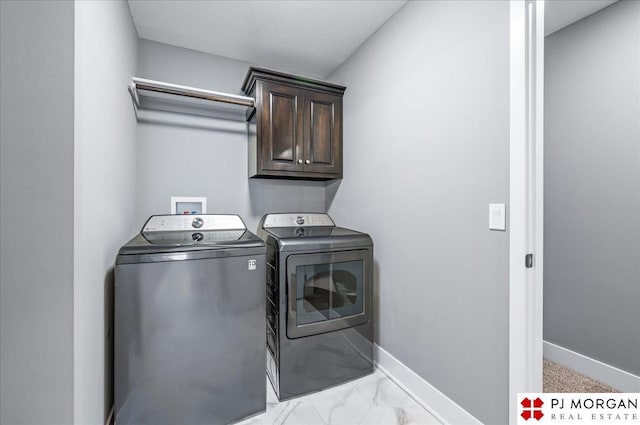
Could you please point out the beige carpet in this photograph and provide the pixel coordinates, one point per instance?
(559, 379)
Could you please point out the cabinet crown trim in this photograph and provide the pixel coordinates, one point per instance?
(263, 74)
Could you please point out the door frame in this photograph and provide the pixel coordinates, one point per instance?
(526, 196)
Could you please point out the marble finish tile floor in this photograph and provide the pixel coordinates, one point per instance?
(372, 400)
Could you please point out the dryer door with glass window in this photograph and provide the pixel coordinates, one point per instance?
(328, 291)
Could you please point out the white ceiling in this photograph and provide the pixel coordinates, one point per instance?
(308, 37)
(560, 13)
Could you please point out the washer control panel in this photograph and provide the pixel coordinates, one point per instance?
(297, 220)
(202, 222)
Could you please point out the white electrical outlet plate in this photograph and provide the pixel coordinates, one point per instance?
(188, 205)
(497, 217)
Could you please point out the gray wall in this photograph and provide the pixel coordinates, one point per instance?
(592, 187)
(178, 156)
(105, 161)
(36, 185)
(426, 146)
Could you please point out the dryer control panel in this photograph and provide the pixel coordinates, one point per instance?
(297, 220)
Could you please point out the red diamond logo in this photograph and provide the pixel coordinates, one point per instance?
(532, 409)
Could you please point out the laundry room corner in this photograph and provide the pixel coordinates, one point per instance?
(104, 191)
(206, 157)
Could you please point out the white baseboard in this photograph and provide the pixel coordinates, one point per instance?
(607, 374)
(439, 405)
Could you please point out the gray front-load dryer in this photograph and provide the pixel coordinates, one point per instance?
(319, 303)
(189, 322)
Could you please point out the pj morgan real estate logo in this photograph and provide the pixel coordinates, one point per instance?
(574, 408)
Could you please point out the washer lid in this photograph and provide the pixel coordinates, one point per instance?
(155, 243)
(164, 234)
(194, 237)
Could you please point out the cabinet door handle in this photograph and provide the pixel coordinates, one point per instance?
(299, 161)
(307, 162)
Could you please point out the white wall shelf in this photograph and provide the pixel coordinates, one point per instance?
(161, 96)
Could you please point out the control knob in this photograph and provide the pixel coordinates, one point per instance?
(197, 237)
(300, 220)
(197, 222)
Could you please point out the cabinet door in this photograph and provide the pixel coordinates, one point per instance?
(281, 132)
(322, 133)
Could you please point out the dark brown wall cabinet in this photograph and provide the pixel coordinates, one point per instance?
(296, 131)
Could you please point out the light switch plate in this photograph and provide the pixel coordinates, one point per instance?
(497, 217)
